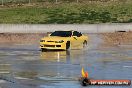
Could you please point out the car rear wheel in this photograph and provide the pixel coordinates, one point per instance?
(68, 45)
(85, 43)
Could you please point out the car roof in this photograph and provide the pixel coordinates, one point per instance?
(65, 30)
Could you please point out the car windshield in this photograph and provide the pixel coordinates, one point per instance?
(62, 33)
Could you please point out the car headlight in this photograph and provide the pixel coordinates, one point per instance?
(61, 41)
(42, 40)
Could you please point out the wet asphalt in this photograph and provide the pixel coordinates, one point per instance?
(25, 66)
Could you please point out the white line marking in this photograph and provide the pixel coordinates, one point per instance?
(127, 66)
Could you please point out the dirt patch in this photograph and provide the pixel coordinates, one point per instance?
(117, 38)
(21, 38)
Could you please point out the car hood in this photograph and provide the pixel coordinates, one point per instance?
(55, 38)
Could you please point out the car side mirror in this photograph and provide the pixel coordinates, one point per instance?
(75, 37)
(79, 35)
(48, 33)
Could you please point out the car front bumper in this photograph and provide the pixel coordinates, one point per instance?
(53, 46)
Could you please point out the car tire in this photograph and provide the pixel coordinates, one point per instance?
(84, 43)
(67, 45)
(43, 50)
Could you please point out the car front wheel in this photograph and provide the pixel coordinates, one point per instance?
(67, 45)
(85, 43)
(43, 50)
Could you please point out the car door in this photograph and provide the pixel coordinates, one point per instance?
(78, 40)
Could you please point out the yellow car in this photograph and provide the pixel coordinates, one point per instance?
(63, 40)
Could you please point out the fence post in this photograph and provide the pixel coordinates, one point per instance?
(2, 2)
(29, 2)
(56, 1)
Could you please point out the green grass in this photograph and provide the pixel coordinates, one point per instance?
(69, 13)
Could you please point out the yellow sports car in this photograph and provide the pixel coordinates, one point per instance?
(63, 40)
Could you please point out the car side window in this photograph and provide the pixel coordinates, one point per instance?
(75, 33)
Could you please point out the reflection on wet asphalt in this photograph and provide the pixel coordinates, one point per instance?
(26, 67)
